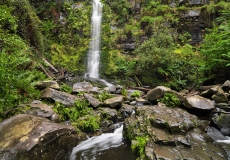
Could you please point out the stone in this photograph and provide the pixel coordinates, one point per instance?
(30, 137)
(41, 110)
(127, 110)
(211, 91)
(157, 93)
(109, 114)
(220, 97)
(114, 102)
(226, 86)
(82, 87)
(199, 103)
(50, 84)
(58, 96)
(93, 101)
(223, 123)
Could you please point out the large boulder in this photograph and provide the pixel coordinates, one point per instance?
(199, 103)
(29, 137)
(58, 96)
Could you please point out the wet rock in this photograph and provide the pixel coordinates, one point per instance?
(50, 84)
(199, 103)
(109, 114)
(127, 110)
(220, 98)
(93, 101)
(114, 102)
(41, 110)
(224, 106)
(174, 120)
(226, 86)
(210, 91)
(223, 123)
(30, 137)
(58, 96)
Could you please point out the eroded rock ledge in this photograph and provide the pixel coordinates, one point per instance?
(30, 137)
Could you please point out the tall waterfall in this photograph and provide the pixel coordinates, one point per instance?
(94, 53)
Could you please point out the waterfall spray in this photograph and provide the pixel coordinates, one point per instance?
(94, 53)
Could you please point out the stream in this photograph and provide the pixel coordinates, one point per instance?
(106, 146)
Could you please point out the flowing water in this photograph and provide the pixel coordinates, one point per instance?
(109, 146)
(94, 53)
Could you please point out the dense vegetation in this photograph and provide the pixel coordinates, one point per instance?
(60, 32)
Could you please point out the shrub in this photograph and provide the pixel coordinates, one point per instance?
(170, 100)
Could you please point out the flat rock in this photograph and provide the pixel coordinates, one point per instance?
(82, 87)
(199, 103)
(41, 110)
(58, 96)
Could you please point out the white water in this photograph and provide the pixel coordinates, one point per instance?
(224, 141)
(94, 53)
(97, 144)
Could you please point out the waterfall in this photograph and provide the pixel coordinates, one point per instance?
(94, 53)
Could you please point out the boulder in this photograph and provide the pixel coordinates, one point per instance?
(29, 137)
(173, 120)
(41, 110)
(172, 134)
(114, 102)
(109, 114)
(220, 97)
(199, 103)
(82, 87)
(210, 91)
(159, 92)
(223, 123)
(58, 96)
(226, 86)
(127, 110)
(50, 84)
(93, 101)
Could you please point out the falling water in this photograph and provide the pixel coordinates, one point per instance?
(106, 146)
(94, 53)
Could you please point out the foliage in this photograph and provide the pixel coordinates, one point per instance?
(79, 114)
(215, 47)
(136, 94)
(66, 88)
(27, 23)
(170, 100)
(103, 96)
(17, 76)
(139, 144)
